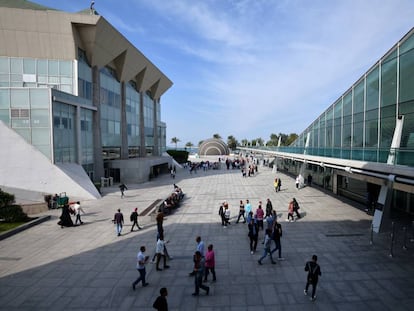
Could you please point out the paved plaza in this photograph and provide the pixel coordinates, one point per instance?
(89, 267)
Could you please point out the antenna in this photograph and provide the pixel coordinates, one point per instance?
(91, 7)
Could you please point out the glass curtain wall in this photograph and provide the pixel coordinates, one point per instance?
(110, 95)
(362, 122)
(149, 123)
(64, 133)
(406, 99)
(86, 126)
(133, 118)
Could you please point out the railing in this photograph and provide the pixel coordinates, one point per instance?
(380, 155)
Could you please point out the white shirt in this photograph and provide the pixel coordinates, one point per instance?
(140, 257)
(78, 209)
(159, 249)
(200, 248)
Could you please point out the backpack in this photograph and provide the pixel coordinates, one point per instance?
(295, 206)
(312, 276)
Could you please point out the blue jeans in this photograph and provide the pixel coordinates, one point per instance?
(278, 247)
(118, 228)
(141, 277)
(265, 252)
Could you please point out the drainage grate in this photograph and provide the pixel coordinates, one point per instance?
(334, 235)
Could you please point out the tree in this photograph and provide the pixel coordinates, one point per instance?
(175, 141)
(291, 138)
(274, 139)
(217, 136)
(200, 142)
(232, 142)
(244, 142)
(189, 145)
(259, 142)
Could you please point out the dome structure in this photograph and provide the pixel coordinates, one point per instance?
(213, 147)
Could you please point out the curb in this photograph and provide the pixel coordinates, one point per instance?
(23, 227)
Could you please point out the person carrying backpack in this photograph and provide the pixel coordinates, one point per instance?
(134, 219)
(314, 271)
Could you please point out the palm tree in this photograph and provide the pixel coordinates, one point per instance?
(175, 141)
(189, 145)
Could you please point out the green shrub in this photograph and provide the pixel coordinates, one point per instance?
(6, 198)
(12, 213)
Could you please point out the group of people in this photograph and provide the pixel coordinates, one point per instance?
(204, 264)
(118, 220)
(277, 184)
(172, 201)
(65, 219)
(267, 221)
(262, 219)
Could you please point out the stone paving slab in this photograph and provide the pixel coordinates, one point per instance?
(89, 268)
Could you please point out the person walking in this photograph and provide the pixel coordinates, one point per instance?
(276, 184)
(241, 212)
(269, 208)
(210, 263)
(266, 251)
(78, 209)
(297, 181)
(290, 212)
(221, 214)
(122, 187)
(247, 208)
(65, 218)
(199, 272)
(200, 249)
(160, 251)
(134, 219)
(260, 215)
(253, 233)
(296, 207)
(276, 235)
(119, 221)
(226, 214)
(314, 271)
(279, 184)
(141, 261)
(160, 304)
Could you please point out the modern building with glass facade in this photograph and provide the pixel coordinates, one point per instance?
(79, 94)
(362, 146)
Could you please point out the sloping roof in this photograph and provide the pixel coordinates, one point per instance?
(24, 4)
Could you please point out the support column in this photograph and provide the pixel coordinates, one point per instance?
(97, 139)
(124, 132)
(303, 166)
(78, 136)
(381, 220)
(156, 150)
(142, 149)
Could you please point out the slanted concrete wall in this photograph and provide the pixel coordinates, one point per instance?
(29, 174)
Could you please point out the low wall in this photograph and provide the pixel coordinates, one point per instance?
(34, 209)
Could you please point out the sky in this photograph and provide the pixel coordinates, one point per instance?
(250, 68)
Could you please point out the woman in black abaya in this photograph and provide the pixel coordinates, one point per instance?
(65, 218)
